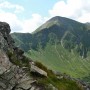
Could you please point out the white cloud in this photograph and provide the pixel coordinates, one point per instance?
(10, 16)
(31, 24)
(84, 18)
(18, 25)
(7, 5)
(74, 9)
(15, 23)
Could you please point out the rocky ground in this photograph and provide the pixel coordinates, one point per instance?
(14, 77)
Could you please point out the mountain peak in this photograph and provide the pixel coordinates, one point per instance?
(58, 18)
(62, 19)
(59, 21)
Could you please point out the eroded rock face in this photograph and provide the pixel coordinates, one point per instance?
(6, 41)
(3, 42)
(14, 79)
(4, 62)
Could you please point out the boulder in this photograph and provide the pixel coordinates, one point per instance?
(4, 28)
(37, 70)
(6, 41)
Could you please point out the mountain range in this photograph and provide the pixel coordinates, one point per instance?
(61, 44)
(18, 72)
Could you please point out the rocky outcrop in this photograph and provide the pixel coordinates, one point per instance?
(37, 70)
(6, 41)
(15, 68)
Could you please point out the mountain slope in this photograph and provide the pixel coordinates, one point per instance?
(17, 72)
(61, 44)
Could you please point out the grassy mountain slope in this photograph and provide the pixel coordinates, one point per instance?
(57, 58)
(17, 72)
(22, 40)
(61, 44)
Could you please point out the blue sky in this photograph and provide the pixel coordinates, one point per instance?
(27, 15)
(35, 6)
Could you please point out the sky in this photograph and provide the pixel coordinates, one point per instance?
(27, 15)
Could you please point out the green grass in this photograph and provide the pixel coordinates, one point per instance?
(63, 84)
(59, 59)
(51, 79)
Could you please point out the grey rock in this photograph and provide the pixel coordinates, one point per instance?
(3, 43)
(6, 41)
(4, 28)
(4, 62)
(36, 69)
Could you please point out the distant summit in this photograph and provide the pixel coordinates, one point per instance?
(59, 21)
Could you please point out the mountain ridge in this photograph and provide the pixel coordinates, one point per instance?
(57, 20)
(18, 72)
(63, 47)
